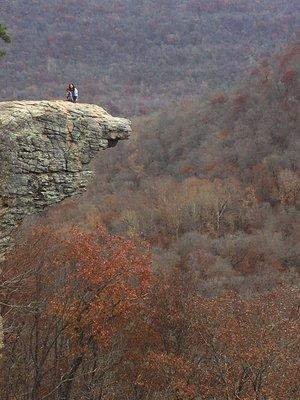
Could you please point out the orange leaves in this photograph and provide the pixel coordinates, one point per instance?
(289, 187)
(106, 276)
(92, 280)
(215, 347)
(91, 298)
(223, 135)
(220, 98)
(167, 374)
(188, 170)
(239, 102)
(247, 339)
(289, 77)
(285, 59)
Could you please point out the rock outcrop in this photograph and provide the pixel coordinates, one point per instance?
(45, 150)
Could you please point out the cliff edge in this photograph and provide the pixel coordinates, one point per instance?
(45, 150)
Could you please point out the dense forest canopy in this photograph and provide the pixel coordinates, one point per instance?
(134, 56)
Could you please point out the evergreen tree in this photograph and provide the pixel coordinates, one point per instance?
(4, 36)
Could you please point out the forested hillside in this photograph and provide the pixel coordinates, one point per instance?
(134, 56)
(176, 276)
(197, 299)
(220, 176)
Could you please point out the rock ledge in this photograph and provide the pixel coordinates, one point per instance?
(45, 150)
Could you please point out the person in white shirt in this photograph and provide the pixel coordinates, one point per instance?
(72, 93)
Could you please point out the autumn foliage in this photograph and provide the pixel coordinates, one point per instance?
(85, 318)
(219, 99)
(66, 296)
(188, 287)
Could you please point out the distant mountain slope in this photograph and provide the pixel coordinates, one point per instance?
(133, 56)
(214, 187)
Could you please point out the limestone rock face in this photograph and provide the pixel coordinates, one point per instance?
(45, 149)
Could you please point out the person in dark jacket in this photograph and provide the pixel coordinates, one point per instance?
(72, 93)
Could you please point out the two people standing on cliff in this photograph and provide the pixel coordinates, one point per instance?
(72, 93)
